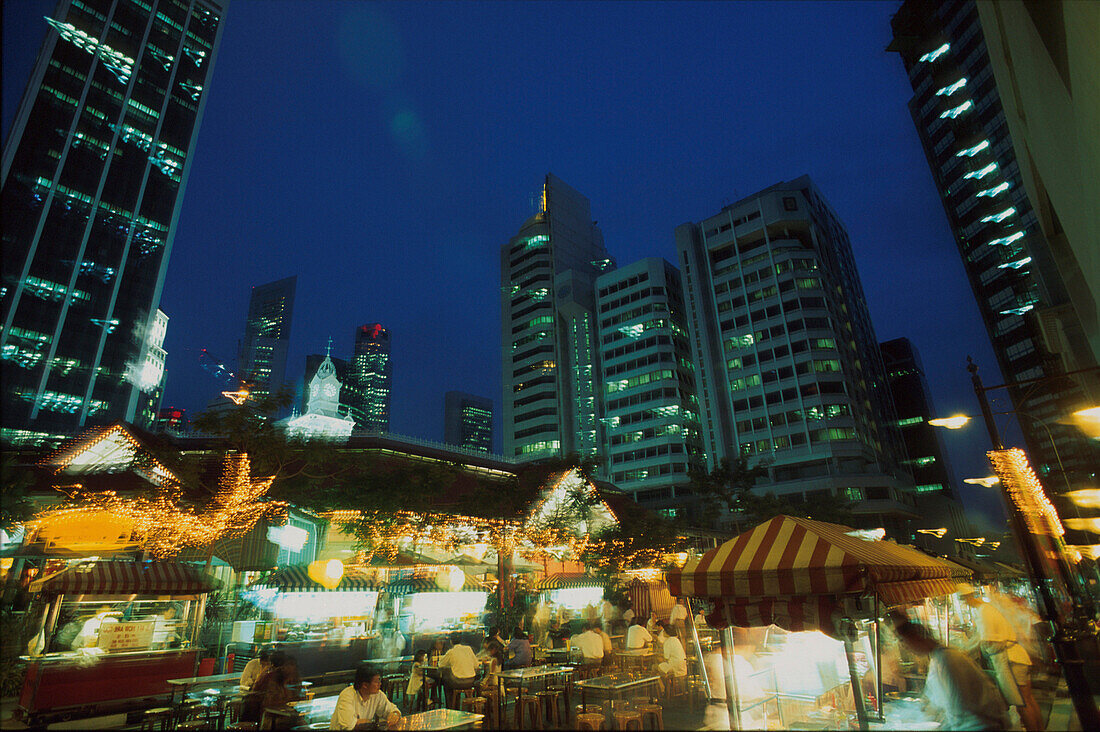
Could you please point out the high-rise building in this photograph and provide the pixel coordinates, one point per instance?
(171, 419)
(548, 270)
(937, 499)
(93, 175)
(468, 421)
(651, 414)
(788, 369)
(267, 336)
(371, 377)
(1024, 286)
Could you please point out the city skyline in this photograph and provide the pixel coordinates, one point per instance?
(393, 252)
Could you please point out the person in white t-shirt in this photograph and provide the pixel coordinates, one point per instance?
(459, 667)
(363, 703)
(678, 616)
(628, 615)
(637, 636)
(255, 667)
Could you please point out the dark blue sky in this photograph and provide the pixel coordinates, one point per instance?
(384, 153)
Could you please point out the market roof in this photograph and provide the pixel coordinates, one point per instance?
(566, 581)
(296, 579)
(126, 578)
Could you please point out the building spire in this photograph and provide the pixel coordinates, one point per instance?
(328, 348)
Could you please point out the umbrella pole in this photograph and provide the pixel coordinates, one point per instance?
(733, 702)
(698, 648)
(857, 688)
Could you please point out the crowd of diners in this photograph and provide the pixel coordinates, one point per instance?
(439, 671)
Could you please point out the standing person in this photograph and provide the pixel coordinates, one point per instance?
(637, 636)
(955, 684)
(541, 622)
(416, 679)
(608, 615)
(678, 615)
(627, 614)
(364, 703)
(255, 667)
(1011, 665)
(519, 650)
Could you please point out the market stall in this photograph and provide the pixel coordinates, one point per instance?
(110, 631)
(442, 600)
(326, 623)
(569, 595)
(649, 597)
(812, 592)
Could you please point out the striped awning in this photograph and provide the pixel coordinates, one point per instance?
(129, 578)
(297, 579)
(421, 583)
(566, 581)
(799, 573)
(650, 598)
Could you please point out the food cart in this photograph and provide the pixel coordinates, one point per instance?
(325, 628)
(442, 600)
(109, 634)
(569, 595)
(811, 594)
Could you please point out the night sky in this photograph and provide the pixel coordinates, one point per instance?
(385, 152)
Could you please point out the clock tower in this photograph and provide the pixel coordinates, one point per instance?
(322, 418)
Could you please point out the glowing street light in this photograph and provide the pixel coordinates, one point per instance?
(1088, 421)
(938, 533)
(954, 422)
(989, 481)
(1084, 497)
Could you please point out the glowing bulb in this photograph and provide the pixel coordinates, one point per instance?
(938, 533)
(989, 481)
(1084, 497)
(952, 423)
(1088, 421)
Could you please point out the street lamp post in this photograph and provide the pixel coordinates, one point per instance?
(1069, 633)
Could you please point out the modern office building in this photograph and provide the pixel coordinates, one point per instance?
(651, 414)
(371, 378)
(171, 419)
(548, 270)
(788, 369)
(1031, 292)
(93, 174)
(937, 497)
(267, 337)
(468, 421)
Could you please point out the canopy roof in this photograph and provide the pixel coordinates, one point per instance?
(565, 582)
(787, 569)
(297, 579)
(422, 583)
(127, 578)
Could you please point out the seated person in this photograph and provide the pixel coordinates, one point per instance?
(495, 654)
(608, 655)
(637, 637)
(519, 650)
(363, 703)
(556, 636)
(675, 663)
(459, 667)
(255, 667)
(590, 645)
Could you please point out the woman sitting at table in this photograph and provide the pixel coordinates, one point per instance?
(519, 650)
(364, 703)
(675, 663)
(255, 668)
(494, 663)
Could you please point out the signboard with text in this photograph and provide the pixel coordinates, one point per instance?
(126, 636)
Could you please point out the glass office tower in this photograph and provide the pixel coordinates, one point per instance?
(371, 378)
(267, 336)
(468, 421)
(93, 175)
(550, 354)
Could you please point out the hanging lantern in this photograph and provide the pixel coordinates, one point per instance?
(450, 578)
(326, 573)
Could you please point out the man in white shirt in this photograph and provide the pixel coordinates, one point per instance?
(255, 667)
(678, 616)
(955, 684)
(608, 615)
(628, 614)
(637, 636)
(590, 645)
(363, 703)
(1011, 665)
(459, 667)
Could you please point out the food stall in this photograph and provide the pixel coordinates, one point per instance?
(441, 600)
(325, 622)
(569, 594)
(110, 632)
(811, 594)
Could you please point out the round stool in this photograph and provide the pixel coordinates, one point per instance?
(194, 724)
(530, 705)
(592, 722)
(638, 701)
(623, 720)
(475, 704)
(654, 712)
(458, 696)
(158, 716)
(242, 726)
(548, 701)
(393, 684)
(189, 710)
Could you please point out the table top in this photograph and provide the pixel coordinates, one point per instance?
(534, 672)
(390, 659)
(636, 652)
(438, 719)
(195, 680)
(615, 682)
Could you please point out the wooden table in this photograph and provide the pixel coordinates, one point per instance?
(519, 675)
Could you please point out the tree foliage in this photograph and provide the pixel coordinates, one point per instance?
(18, 481)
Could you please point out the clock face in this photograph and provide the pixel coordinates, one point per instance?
(313, 390)
(330, 390)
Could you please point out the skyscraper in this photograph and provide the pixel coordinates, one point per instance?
(936, 496)
(371, 376)
(651, 414)
(468, 421)
(267, 336)
(548, 271)
(1016, 275)
(93, 175)
(787, 365)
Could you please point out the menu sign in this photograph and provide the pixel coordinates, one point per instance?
(126, 636)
